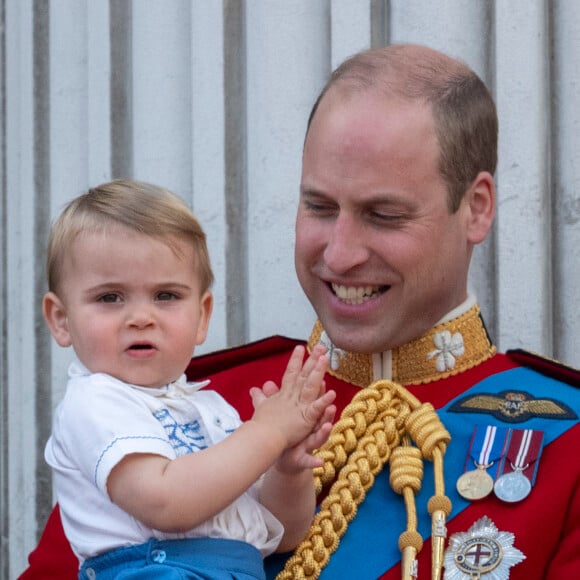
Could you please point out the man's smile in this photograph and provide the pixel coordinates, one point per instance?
(357, 294)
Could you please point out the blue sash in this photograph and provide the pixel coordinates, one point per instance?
(370, 544)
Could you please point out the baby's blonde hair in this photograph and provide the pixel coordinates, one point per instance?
(142, 207)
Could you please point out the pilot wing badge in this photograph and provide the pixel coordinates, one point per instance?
(513, 406)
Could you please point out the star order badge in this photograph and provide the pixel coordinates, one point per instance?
(483, 552)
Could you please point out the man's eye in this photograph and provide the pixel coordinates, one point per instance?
(387, 218)
(165, 296)
(109, 298)
(318, 208)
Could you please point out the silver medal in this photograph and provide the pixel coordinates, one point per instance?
(512, 487)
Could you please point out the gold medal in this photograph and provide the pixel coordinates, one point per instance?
(487, 446)
(475, 484)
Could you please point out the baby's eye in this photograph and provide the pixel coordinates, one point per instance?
(165, 296)
(109, 298)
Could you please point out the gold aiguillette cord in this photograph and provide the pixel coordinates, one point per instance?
(379, 425)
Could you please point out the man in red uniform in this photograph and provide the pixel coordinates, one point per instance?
(397, 189)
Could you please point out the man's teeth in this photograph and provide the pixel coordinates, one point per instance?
(355, 295)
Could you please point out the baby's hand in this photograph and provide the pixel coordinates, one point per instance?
(296, 409)
(300, 456)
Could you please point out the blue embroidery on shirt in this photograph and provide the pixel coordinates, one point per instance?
(184, 438)
(219, 423)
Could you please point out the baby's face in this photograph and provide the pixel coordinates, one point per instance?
(132, 306)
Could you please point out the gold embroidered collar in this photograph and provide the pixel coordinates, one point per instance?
(447, 349)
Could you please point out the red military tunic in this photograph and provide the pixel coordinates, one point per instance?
(546, 525)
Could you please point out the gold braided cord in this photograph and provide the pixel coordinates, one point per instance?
(379, 425)
(362, 412)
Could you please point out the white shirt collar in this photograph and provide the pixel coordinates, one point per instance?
(78, 369)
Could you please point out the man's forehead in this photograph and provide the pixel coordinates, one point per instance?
(364, 114)
(376, 95)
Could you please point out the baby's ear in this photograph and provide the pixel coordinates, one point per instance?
(205, 310)
(54, 313)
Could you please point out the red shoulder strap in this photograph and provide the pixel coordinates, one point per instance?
(205, 365)
(547, 366)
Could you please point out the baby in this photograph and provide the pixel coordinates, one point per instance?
(155, 475)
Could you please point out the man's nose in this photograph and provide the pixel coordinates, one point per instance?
(346, 247)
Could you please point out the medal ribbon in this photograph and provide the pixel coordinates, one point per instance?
(488, 446)
(523, 453)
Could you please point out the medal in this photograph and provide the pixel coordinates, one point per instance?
(481, 552)
(520, 466)
(512, 487)
(487, 446)
(475, 484)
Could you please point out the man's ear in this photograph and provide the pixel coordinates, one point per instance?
(480, 198)
(55, 315)
(205, 310)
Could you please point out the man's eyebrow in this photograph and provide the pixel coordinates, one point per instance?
(312, 192)
(387, 199)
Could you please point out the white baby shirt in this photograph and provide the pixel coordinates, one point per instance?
(101, 420)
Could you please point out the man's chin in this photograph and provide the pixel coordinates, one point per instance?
(360, 341)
